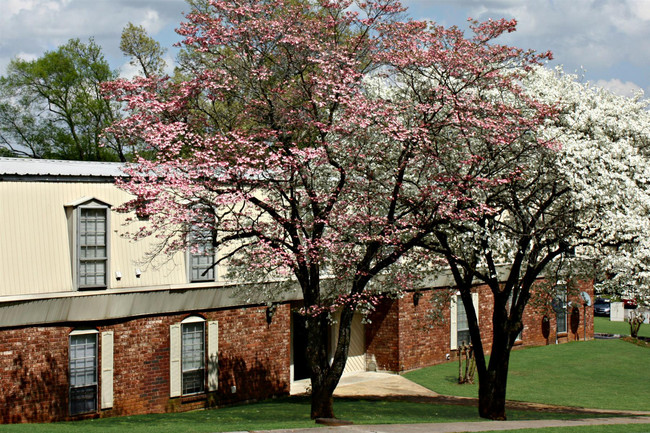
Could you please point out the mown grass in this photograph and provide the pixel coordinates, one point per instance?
(608, 374)
(291, 412)
(603, 374)
(604, 326)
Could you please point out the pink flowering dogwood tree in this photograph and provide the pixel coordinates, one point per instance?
(320, 143)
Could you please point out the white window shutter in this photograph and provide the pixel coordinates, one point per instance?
(475, 302)
(453, 311)
(107, 370)
(213, 356)
(175, 360)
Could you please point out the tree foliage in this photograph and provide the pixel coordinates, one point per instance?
(324, 146)
(605, 142)
(145, 52)
(52, 107)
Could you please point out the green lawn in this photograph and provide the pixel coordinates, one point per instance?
(290, 412)
(605, 374)
(605, 326)
(602, 374)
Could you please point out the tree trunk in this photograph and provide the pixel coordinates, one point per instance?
(325, 377)
(322, 400)
(492, 386)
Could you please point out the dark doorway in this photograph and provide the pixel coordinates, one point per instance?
(299, 335)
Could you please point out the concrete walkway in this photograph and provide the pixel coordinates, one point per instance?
(460, 427)
(392, 386)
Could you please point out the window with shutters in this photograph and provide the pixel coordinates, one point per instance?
(509, 307)
(83, 372)
(192, 364)
(463, 337)
(459, 325)
(193, 357)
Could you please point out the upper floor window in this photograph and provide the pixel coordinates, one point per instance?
(89, 222)
(201, 255)
(93, 247)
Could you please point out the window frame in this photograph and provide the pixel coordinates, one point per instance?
(206, 245)
(79, 246)
(561, 296)
(460, 307)
(94, 385)
(193, 321)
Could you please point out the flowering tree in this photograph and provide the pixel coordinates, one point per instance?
(320, 145)
(605, 139)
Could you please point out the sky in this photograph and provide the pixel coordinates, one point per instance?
(607, 42)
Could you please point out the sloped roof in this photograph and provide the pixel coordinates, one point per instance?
(25, 167)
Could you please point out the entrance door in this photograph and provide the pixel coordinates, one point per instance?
(298, 347)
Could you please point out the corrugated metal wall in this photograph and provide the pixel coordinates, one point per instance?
(35, 249)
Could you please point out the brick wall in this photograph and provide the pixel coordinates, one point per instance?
(402, 336)
(253, 356)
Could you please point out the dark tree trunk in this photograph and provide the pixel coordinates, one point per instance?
(325, 377)
(492, 387)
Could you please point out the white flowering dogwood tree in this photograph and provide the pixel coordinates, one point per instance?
(281, 143)
(605, 157)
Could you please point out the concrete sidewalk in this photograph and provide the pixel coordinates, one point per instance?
(458, 427)
(375, 385)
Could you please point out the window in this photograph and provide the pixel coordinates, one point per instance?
(509, 307)
(92, 247)
(463, 337)
(559, 305)
(187, 356)
(89, 228)
(459, 325)
(83, 372)
(193, 357)
(201, 255)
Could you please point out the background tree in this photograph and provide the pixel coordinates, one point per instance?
(605, 142)
(144, 51)
(307, 140)
(52, 107)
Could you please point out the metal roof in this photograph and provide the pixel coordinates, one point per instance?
(25, 167)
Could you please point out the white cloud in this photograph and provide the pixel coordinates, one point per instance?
(619, 87)
(36, 26)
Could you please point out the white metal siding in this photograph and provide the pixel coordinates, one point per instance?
(35, 234)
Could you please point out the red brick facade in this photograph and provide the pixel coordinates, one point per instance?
(253, 356)
(402, 335)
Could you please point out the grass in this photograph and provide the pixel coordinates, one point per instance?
(603, 374)
(291, 412)
(605, 326)
(609, 374)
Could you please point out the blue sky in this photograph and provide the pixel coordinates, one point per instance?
(607, 40)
